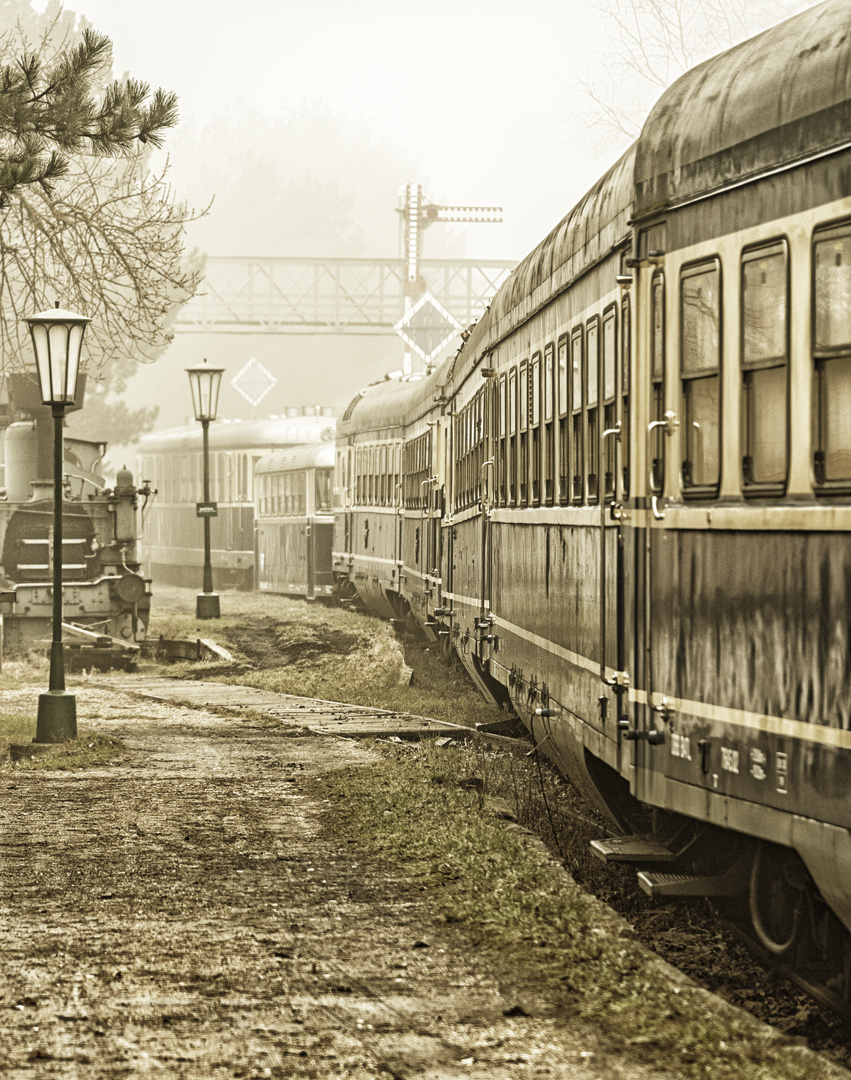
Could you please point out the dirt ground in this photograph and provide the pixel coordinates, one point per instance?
(183, 913)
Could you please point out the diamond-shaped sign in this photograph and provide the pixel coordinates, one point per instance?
(427, 327)
(254, 382)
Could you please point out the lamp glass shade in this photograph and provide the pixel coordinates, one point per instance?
(58, 341)
(205, 382)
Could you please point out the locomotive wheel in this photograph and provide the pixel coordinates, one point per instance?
(778, 897)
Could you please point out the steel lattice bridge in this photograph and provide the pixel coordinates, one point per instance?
(331, 296)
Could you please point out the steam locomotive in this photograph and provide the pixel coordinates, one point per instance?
(106, 600)
(625, 504)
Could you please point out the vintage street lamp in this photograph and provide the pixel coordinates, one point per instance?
(58, 339)
(205, 382)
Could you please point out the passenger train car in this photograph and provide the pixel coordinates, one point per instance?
(105, 595)
(625, 504)
(172, 462)
(294, 521)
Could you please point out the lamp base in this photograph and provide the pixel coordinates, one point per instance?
(57, 717)
(207, 606)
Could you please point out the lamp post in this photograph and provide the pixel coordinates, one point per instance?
(204, 382)
(58, 340)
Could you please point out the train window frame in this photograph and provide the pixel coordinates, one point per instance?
(512, 437)
(609, 447)
(562, 468)
(548, 435)
(751, 369)
(593, 328)
(502, 439)
(523, 434)
(577, 368)
(535, 417)
(626, 360)
(830, 363)
(690, 377)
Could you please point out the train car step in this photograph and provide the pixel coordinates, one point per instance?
(632, 849)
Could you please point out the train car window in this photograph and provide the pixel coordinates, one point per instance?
(465, 456)
(577, 456)
(700, 366)
(764, 358)
(549, 432)
(301, 493)
(468, 452)
(625, 417)
(563, 424)
(592, 447)
(832, 357)
(523, 438)
(535, 429)
(512, 437)
(480, 453)
(502, 428)
(657, 381)
(324, 485)
(459, 459)
(610, 446)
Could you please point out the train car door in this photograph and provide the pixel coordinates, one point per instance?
(398, 452)
(348, 499)
(652, 459)
(309, 532)
(489, 403)
(614, 401)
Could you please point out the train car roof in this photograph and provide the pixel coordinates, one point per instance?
(317, 456)
(242, 434)
(390, 404)
(598, 224)
(772, 101)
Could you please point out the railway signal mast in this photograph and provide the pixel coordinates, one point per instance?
(426, 327)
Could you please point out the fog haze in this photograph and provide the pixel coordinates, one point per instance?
(301, 121)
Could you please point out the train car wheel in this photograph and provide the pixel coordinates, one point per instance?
(778, 897)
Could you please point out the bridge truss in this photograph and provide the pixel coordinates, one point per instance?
(331, 296)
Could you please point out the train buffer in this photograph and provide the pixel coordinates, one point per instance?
(85, 649)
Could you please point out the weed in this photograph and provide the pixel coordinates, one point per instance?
(417, 810)
(291, 647)
(84, 752)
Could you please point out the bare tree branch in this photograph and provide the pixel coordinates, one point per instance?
(104, 235)
(649, 43)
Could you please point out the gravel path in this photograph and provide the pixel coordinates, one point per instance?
(181, 913)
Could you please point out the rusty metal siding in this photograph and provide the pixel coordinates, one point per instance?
(758, 622)
(771, 198)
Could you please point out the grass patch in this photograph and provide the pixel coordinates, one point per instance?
(84, 752)
(542, 929)
(17, 727)
(291, 647)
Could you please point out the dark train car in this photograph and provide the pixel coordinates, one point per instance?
(635, 493)
(172, 462)
(371, 501)
(104, 591)
(294, 521)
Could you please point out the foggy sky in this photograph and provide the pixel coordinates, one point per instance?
(480, 98)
